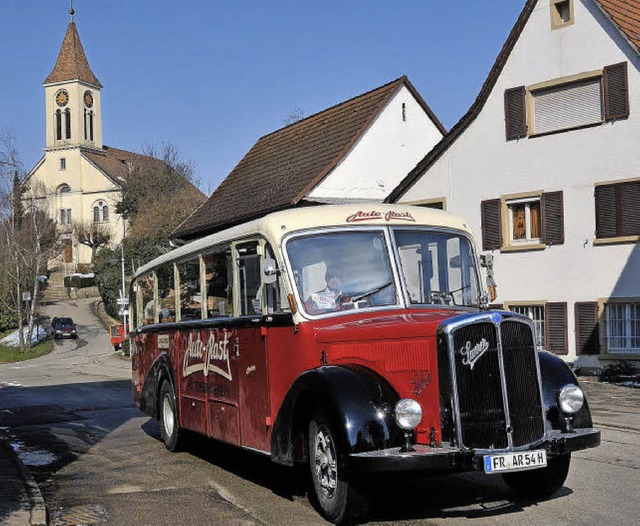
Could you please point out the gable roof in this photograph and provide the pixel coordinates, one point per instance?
(625, 15)
(72, 63)
(116, 164)
(284, 166)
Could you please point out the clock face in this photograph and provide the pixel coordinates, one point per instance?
(62, 98)
(88, 99)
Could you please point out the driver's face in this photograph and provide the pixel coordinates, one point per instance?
(333, 283)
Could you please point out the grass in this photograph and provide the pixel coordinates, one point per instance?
(13, 354)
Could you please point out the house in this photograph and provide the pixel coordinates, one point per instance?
(546, 166)
(357, 150)
(79, 178)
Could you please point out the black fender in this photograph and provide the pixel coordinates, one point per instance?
(357, 402)
(160, 370)
(555, 374)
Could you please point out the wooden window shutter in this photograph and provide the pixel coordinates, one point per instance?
(515, 112)
(629, 201)
(606, 211)
(616, 92)
(555, 321)
(587, 328)
(490, 219)
(552, 218)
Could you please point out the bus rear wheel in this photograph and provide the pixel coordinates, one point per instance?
(169, 424)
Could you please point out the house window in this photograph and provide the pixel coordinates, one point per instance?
(561, 13)
(63, 163)
(404, 112)
(568, 103)
(623, 327)
(524, 220)
(65, 216)
(536, 314)
(617, 210)
(567, 106)
(64, 188)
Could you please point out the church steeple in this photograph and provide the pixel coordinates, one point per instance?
(72, 94)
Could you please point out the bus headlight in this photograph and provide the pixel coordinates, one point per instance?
(570, 398)
(408, 413)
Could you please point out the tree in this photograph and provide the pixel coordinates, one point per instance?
(28, 239)
(93, 235)
(159, 194)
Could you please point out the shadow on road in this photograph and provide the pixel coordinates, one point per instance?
(50, 426)
(391, 497)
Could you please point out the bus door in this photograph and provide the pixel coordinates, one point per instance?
(252, 347)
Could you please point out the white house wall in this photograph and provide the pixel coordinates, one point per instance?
(384, 155)
(482, 165)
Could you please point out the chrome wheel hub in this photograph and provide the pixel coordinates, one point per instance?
(167, 416)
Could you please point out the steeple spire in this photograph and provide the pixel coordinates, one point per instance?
(72, 63)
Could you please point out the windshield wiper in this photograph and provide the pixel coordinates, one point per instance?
(358, 297)
(445, 295)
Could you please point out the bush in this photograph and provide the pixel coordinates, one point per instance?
(617, 371)
(8, 320)
(79, 282)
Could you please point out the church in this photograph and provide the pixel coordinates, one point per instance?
(80, 179)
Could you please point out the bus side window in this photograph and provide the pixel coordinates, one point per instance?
(272, 290)
(217, 285)
(190, 295)
(148, 309)
(166, 294)
(248, 262)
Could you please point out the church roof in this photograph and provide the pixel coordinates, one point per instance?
(72, 63)
(282, 167)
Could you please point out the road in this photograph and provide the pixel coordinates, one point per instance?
(98, 460)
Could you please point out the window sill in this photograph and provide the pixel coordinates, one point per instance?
(619, 355)
(523, 248)
(616, 240)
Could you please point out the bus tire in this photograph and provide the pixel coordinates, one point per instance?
(335, 497)
(543, 482)
(169, 424)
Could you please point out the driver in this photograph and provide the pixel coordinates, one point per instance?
(329, 298)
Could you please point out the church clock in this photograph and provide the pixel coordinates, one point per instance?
(88, 99)
(62, 98)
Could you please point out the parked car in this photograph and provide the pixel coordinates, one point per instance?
(63, 327)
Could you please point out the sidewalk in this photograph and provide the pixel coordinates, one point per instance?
(22, 504)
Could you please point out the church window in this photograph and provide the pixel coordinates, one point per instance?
(100, 212)
(58, 125)
(86, 136)
(65, 216)
(91, 126)
(64, 188)
(63, 163)
(67, 122)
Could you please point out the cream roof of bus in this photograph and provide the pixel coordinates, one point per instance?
(279, 224)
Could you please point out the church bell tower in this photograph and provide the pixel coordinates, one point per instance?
(72, 94)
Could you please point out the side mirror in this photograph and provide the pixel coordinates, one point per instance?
(269, 270)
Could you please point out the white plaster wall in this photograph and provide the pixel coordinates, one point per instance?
(87, 184)
(481, 164)
(384, 155)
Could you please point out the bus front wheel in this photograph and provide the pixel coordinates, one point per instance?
(336, 498)
(169, 424)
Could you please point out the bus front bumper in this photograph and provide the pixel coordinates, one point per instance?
(450, 458)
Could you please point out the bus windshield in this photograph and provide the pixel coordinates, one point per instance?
(438, 268)
(338, 271)
(342, 270)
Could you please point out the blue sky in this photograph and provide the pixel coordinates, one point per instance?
(212, 76)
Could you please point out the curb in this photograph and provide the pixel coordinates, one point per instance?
(37, 508)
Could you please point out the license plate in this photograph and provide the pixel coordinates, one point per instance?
(515, 461)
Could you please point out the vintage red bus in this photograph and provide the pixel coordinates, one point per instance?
(116, 333)
(356, 339)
